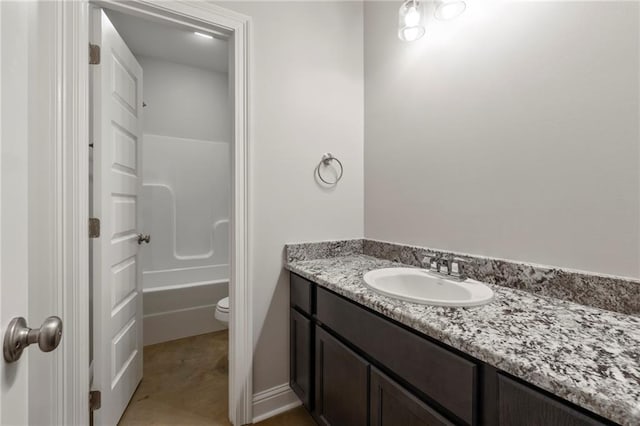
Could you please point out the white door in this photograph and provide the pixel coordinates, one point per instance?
(117, 285)
(30, 387)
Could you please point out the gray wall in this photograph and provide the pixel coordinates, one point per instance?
(307, 99)
(511, 132)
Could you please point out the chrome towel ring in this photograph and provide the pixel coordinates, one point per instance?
(326, 161)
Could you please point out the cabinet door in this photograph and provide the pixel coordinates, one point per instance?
(520, 405)
(300, 359)
(392, 405)
(444, 377)
(341, 383)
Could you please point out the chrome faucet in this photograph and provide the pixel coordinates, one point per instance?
(431, 262)
(447, 265)
(458, 266)
(435, 262)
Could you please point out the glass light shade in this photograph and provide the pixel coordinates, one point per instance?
(411, 20)
(449, 9)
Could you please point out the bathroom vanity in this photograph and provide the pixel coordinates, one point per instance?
(351, 366)
(358, 358)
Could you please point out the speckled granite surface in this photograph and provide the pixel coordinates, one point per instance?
(599, 291)
(585, 355)
(323, 249)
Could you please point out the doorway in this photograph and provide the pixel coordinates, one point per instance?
(165, 187)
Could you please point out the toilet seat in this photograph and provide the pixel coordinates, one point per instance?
(223, 304)
(222, 310)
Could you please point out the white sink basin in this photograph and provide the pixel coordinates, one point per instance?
(422, 286)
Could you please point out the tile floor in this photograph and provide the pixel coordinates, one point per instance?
(185, 383)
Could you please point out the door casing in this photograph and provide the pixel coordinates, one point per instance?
(71, 28)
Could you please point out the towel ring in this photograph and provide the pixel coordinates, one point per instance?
(326, 161)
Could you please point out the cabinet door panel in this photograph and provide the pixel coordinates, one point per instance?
(341, 383)
(443, 376)
(392, 405)
(300, 360)
(520, 405)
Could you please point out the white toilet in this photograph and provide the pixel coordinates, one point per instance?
(222, 310)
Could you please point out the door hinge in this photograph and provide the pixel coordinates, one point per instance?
(95, 400)
(94, 227)
(94, 54)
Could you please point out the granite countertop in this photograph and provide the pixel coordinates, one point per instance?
(585, 355)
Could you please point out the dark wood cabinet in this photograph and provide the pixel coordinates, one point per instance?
(341, 383)
(393, 405)
(300, 357)
(301, 294)
(352, 366)
(521, 405)
(442, 376)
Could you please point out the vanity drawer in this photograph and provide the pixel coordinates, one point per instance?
(444, 377)
(521, 405)
(301, 293)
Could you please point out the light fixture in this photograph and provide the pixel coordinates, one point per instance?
(411, 20)
(449, 9)
(203, 35)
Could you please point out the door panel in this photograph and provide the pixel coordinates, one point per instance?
(393, 405)
(116, 119)
(31, 387)
(14, 200)
(341, 383)
(300, 358)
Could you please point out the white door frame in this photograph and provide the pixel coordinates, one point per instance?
(72, 86)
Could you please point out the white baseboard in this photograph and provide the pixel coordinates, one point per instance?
(274, 401)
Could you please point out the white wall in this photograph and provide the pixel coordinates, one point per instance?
(510, 132)
(307, 94)
(185, 101)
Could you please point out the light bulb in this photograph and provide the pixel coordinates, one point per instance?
(203, 35)
(411, 33)
(449, 9)
(412, 18)
(410, 21)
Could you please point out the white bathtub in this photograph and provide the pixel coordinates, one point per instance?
(181, 303)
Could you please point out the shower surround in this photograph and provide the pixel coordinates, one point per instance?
(185, 201)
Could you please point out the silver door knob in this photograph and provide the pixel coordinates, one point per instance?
(144, 238)
(18, 336)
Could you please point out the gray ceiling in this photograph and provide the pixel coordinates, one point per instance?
(170, 42)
